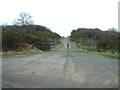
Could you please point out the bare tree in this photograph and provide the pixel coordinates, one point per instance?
(25, 19)
(4, 24)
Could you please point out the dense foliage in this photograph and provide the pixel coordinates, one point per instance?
(17, 38)
(96, 39)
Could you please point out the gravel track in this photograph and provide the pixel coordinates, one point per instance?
(66, 68)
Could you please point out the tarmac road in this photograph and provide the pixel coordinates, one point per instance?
(66, 68)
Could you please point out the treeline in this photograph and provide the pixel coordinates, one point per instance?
(96, 39)
(28, 37)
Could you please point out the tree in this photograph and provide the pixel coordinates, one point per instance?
(4, 24)
(25, 19)
(112, 29)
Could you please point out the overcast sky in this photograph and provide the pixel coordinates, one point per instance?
(62, 16)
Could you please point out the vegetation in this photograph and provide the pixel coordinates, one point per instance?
(25, 37)
(25, 19)
(55, 48)
(97, 40)
(20, 53)
(16, 40)
(117, 55)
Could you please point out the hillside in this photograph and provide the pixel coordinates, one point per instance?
(96, 39)
(27, 38)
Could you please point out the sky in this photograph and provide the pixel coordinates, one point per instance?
(63, 16)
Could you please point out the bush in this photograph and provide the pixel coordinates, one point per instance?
(13, 39)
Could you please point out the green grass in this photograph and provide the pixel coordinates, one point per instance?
(21, 53)
(99, 53)
(33, 52)
(58, 46)
(107, 54)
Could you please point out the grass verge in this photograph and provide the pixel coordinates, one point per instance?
(95, 52)
(58, 46)
(20, 53)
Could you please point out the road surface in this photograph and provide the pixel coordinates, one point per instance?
(66, 68)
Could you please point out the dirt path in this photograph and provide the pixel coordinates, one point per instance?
(66, 68)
